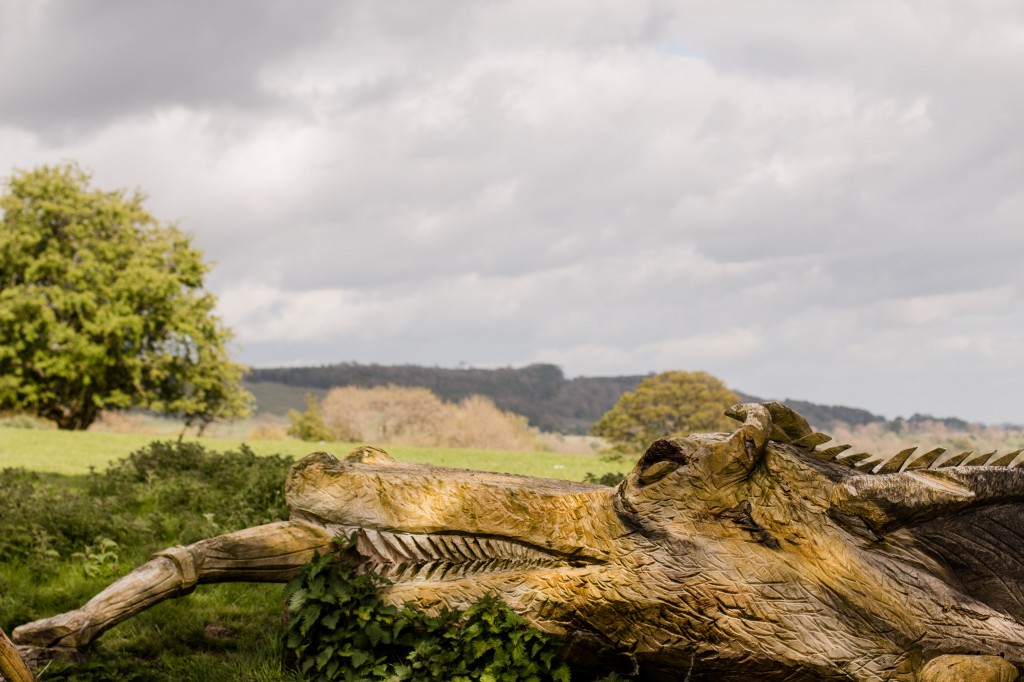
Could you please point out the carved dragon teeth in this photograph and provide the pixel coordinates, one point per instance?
(405, 542)
(370, 545)
(473, 545)
(394, 542)
(488, 546)
(439, 570)
(455, 552)
(421, 557)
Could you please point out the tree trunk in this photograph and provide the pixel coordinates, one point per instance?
(74, 419)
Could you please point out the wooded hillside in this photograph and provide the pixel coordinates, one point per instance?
(540, 392)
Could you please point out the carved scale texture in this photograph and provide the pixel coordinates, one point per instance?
(981, 548)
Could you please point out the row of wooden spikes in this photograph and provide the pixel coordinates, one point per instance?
(905, 459)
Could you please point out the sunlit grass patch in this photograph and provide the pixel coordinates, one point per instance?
(78, 452)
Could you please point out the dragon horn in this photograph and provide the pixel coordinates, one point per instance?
(732, 461)
(787, 426)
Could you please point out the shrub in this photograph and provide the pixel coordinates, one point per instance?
(165, 493)
(268, 431)
(228, 491)
(40, 521)
(13, 420)
(341, 629)
(612, 478)
(476, 422)
(415, 416)
(309, 425)
(386, 414)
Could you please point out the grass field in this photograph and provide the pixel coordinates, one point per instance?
(75, 453)
(75, 513)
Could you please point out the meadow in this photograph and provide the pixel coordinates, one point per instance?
(76, 514)
(79, 452)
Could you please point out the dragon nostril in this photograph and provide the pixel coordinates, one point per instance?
(662, 457)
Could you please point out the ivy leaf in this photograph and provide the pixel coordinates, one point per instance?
(348, 633)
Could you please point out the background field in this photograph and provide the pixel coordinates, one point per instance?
(75, 453)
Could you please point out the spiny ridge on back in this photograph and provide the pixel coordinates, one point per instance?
(910, 459)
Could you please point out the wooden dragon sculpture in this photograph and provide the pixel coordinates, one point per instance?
(742, 556)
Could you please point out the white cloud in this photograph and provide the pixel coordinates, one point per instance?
(942, 307)
(692, 352)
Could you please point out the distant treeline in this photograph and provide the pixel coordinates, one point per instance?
(830, 416)
(539, 392)
(824, 416)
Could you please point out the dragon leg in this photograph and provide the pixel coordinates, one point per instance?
(269, 553)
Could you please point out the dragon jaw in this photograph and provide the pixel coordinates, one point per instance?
(434, 532)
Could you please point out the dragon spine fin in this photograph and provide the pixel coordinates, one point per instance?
(904, 460)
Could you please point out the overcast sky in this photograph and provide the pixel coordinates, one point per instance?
(816, 200)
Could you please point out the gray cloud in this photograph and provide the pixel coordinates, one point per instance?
(75, 66)
(820, 202)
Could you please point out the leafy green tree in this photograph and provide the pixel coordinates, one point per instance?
(667, 404)
(102, 307)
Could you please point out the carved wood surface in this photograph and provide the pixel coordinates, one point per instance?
(751, 555)
(12, 667)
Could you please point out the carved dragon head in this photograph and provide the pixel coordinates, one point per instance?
(724, 555)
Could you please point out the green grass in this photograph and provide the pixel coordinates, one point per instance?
(170, 640)
(77, 452)
(49, 523)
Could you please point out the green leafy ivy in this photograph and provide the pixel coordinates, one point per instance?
(341, 629)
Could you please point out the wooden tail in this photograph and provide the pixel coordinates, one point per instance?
(12, 666)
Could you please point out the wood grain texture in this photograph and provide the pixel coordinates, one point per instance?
(12, 667)
(747, 555)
